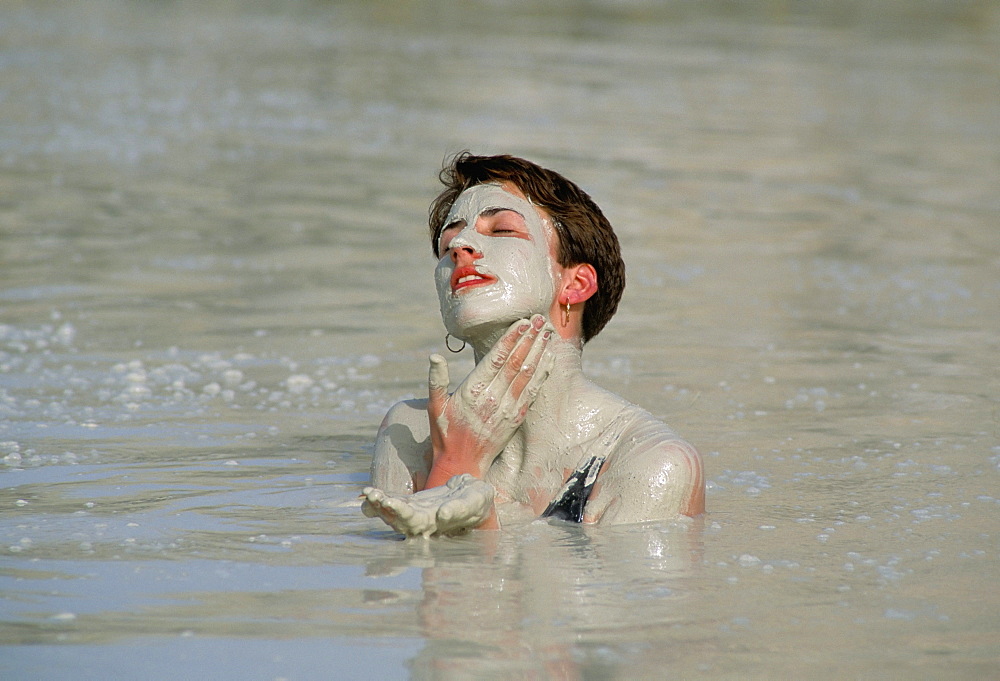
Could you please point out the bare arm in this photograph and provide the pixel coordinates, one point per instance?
(401, 458)
(656, 476)
(465, 433)
(470, 428)
(400, 465)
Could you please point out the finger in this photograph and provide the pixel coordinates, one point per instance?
(507, 386)
(374, 503)
(373, 495)
(530, 392)
(480, 379)
(437, 384)
(497, 357)
(506, 357)
(529, 368)
(398, 508)
(522, 351)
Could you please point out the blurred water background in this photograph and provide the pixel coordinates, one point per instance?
(214, 280)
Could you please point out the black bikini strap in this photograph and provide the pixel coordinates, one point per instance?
(572, 498)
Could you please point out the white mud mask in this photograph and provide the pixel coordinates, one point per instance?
(511, 274)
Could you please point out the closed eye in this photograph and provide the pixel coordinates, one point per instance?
(504, 222)
(498, 222)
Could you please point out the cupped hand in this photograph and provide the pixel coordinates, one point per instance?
(470, 427)
(462, 504)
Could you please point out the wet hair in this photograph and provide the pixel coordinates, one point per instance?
(585, 235)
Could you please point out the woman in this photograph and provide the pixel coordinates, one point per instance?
(529, 270)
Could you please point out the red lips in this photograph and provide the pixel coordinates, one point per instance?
(467, 276)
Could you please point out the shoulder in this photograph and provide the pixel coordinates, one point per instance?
(404, 425)
(407, 412)
(651, 473)
(401, 446)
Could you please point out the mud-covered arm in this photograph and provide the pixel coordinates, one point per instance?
(470, 427)
(466, 430)
(652, 480)
(400, 464)
(401, 457)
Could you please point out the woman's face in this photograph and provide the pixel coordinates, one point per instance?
(497, 263)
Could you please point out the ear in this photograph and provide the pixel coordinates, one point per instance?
(579, 283)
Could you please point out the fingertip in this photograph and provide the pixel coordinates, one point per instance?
(519, 327)
(438, 372)
(401, 510)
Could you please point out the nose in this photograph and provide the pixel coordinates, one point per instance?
(463, 253)
(464, 246)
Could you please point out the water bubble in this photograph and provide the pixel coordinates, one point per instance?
(897, 614)
(298, 383)
(368, 361)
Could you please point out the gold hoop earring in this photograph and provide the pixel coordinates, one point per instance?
(447, 344)
(566, 314)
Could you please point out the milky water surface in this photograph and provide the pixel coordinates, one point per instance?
(215, 279)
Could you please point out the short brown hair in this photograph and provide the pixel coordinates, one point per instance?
(585, 235)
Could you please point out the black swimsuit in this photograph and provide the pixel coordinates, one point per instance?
(569, 503)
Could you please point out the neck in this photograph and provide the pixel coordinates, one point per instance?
(565, 417)
(482, 341)
(562, 404)
(562, 394)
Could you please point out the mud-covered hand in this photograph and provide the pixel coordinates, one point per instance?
(464, 503)
(470, 427)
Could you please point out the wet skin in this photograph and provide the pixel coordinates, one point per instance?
(525, 416)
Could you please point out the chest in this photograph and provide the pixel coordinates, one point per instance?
(531, 475)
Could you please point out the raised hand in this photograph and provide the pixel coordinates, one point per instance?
(470, 427)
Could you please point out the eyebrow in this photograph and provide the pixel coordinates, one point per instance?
(493, 210)
(488, 212)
